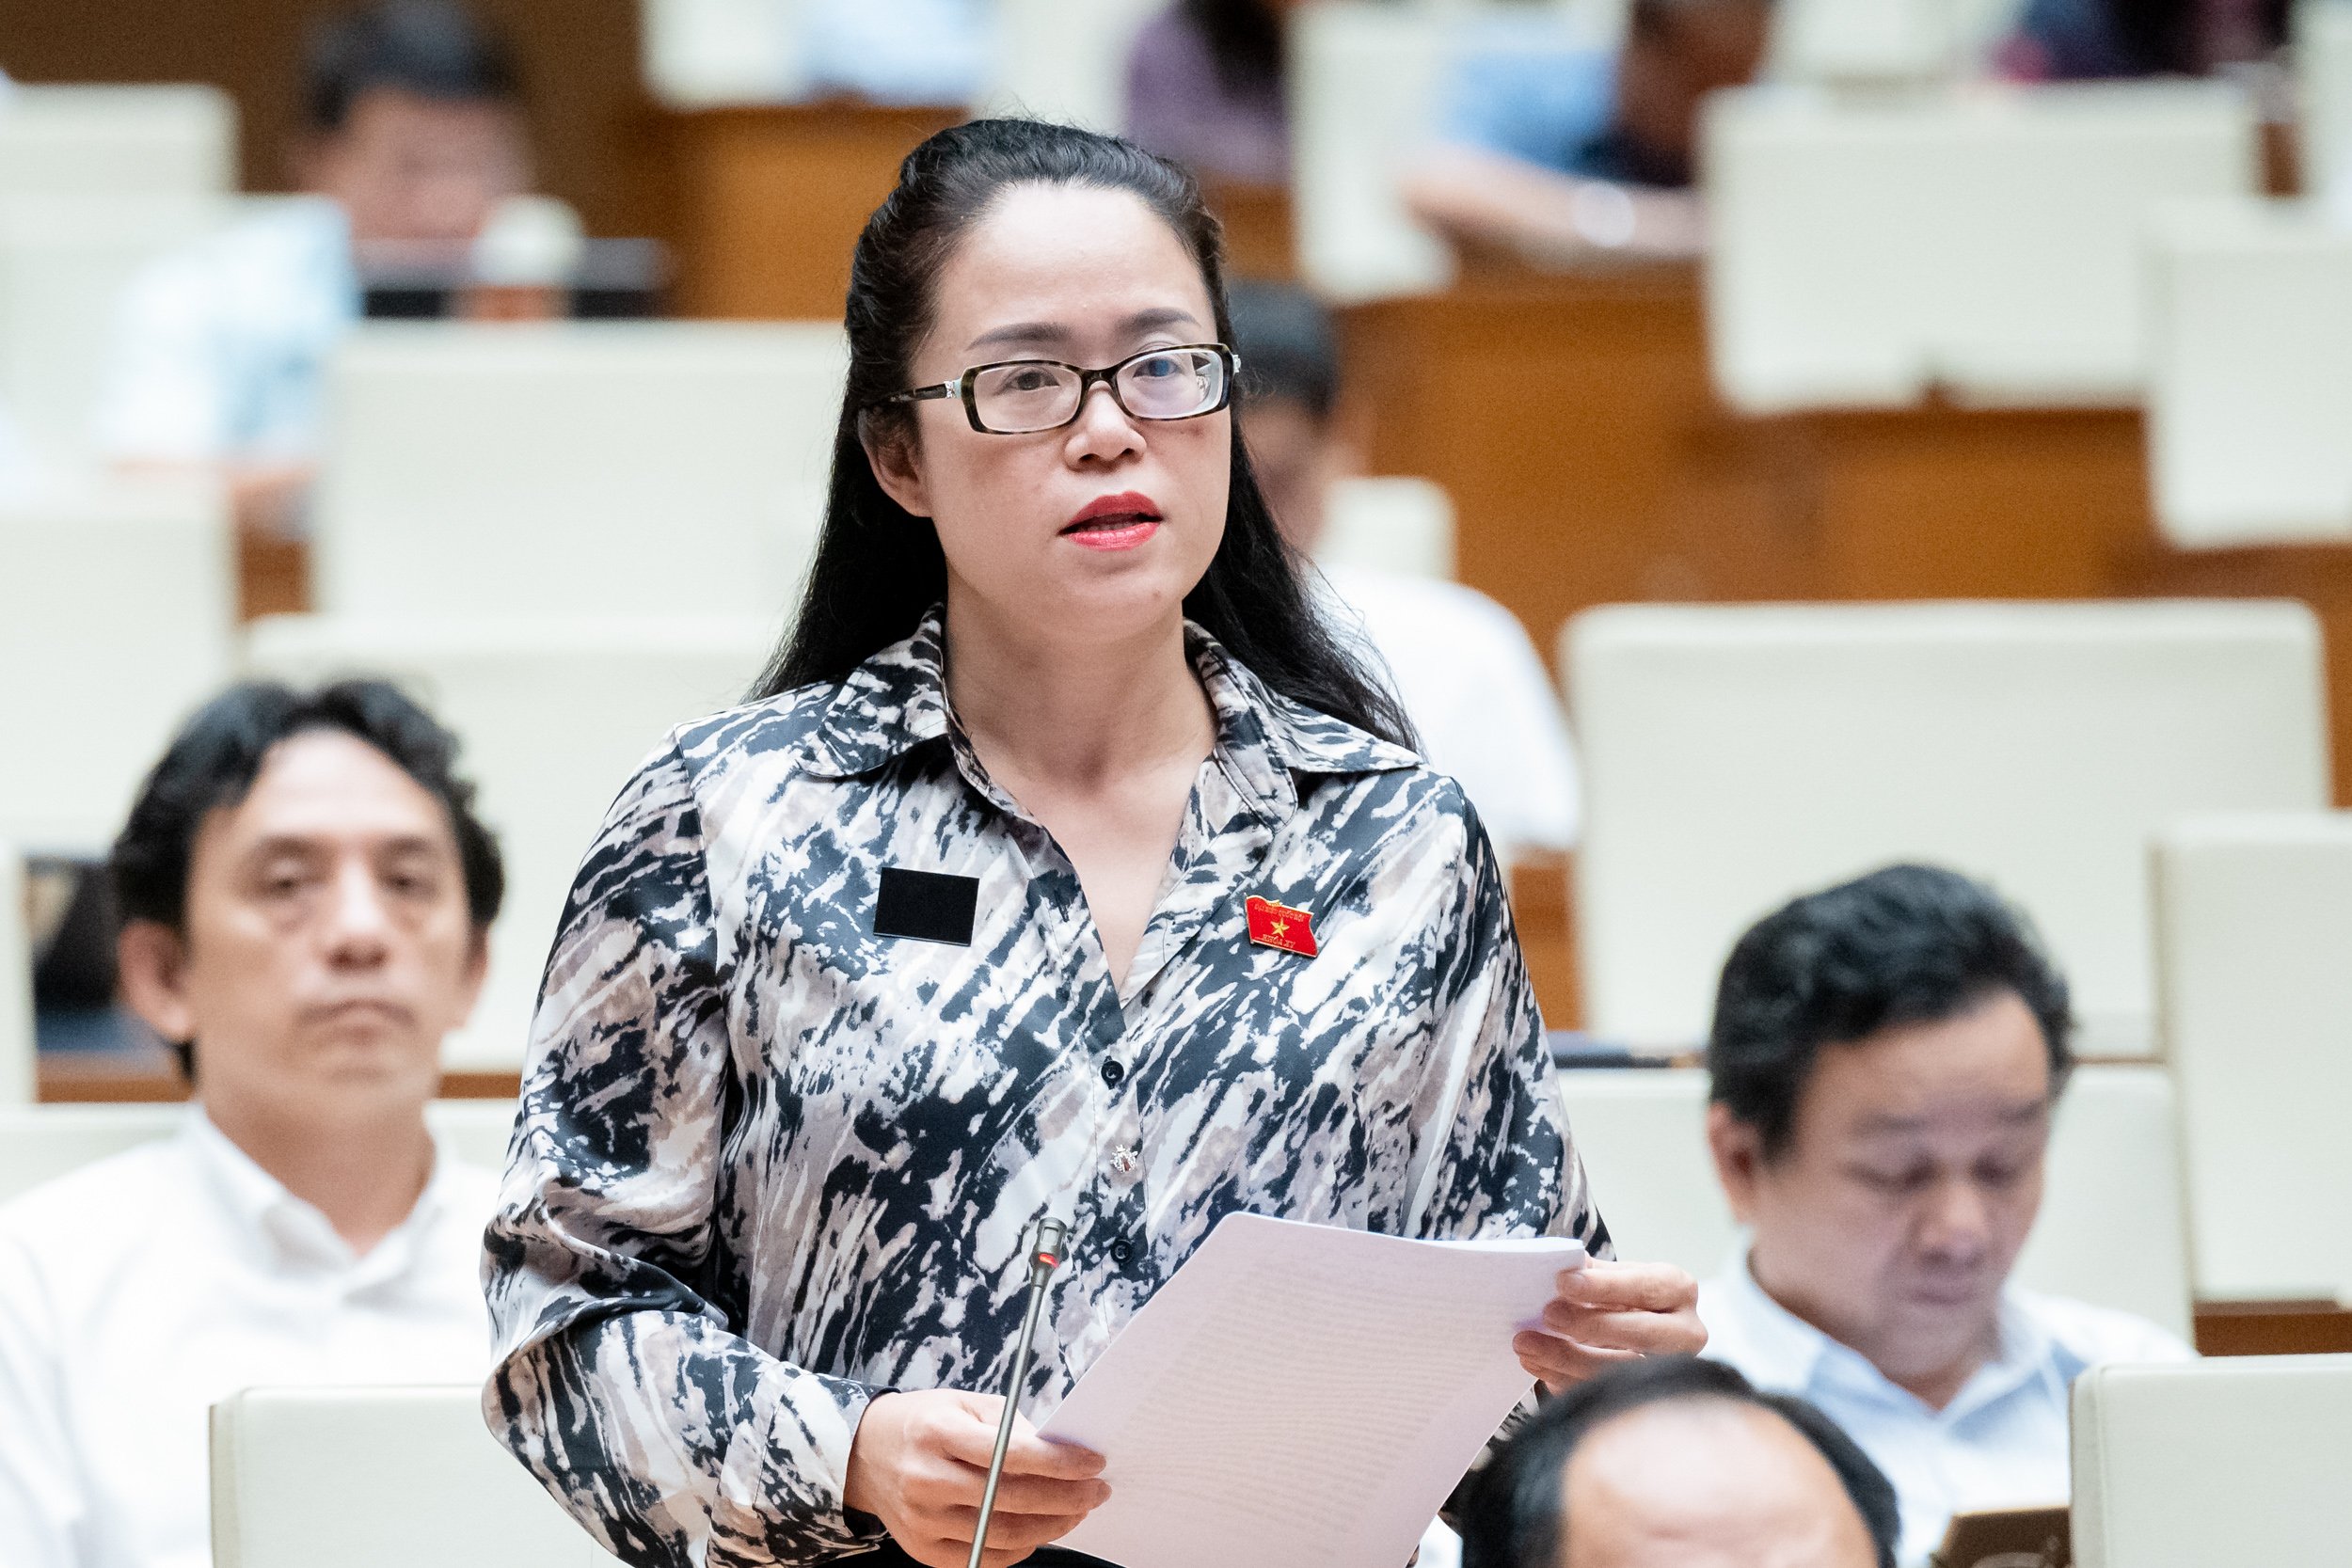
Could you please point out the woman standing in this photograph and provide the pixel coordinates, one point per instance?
(953, 926)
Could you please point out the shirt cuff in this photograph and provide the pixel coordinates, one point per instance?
(779, 1491)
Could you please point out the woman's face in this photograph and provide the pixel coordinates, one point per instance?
(1095, 532)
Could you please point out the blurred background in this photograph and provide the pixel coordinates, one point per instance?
(1894, 429)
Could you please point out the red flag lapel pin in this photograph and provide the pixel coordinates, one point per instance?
(1273, 925)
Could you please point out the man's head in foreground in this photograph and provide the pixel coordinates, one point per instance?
(1886, 1058)
(1675, 1463)
(306, 898)
(411, 122)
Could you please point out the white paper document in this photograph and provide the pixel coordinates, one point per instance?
(1303, 1397)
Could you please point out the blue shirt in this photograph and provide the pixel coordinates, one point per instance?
(2000, 1443)
(220, 349)
(1522, 88)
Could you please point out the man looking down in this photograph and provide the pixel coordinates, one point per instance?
(1886, 1055)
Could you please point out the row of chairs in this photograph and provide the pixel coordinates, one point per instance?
(2163, 1455)
(282, 1456)
(2174, 1466)
(2254, 914)
(40, 1143)
(1641, 1132)
(2104, 243)
(1734, 756)
(2039, 744)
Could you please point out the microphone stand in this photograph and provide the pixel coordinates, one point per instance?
(1044, 1261)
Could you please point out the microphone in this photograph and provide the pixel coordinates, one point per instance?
(1043, 1260)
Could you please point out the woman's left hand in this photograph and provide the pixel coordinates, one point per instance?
(1607, 1312)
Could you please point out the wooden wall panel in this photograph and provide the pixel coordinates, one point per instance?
(578, 60)
(1944, 503)
(1572, 421)
(765, 204)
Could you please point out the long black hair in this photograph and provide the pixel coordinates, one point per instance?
(878, 567)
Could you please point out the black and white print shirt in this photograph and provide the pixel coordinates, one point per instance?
(771, 1164)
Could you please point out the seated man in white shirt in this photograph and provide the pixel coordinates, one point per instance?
(411, 137)
(1886, 1058)
(306, 897)
(1676, 1463)
(1463, 666)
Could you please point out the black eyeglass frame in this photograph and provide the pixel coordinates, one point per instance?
(965, 387)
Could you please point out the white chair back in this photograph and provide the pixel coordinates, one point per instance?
(633, 468)
(553, 717)
(2322, 68)
(2111, 1231)
(2255, 942)
(116, 613)
(700, 54)
(17, 1059)
(1736, 756)
(64, 264)
(1366, 82)
(2239, 1459)
(1064, 62)
(2249, 403)
(1876, 42)
(476, 1131)
(1389, 523)
(84, 141)
(1864, 250)
(393, 1476)
(1879, 44)
(41, 1143)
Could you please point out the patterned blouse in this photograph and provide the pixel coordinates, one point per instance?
(771, 1164)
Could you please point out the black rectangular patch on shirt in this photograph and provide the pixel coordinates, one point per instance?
(928, 906)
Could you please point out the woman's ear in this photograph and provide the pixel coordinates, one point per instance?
(892, 452)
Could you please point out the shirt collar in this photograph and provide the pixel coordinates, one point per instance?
(897, 700)
(1799, 1355)
(1779, 1339)
(293, 1230)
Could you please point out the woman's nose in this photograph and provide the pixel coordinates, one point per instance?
(1104, 431)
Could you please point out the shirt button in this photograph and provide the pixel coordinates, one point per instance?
(1121, 1252)
(1114, 1073)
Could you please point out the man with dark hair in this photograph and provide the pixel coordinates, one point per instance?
(411, 136)
(1676, 1463)
(306, 897)
(1885, 1057)
(1462, 665)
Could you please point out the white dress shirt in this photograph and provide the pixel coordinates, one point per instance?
(137, 1291)
(220, 348)
(1474, 687)
(2002, 1441)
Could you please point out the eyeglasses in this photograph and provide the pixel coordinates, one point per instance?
(1020, 397)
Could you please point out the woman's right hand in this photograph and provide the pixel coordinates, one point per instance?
(919, 1463)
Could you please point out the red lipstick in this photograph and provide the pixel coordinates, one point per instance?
(1119, 522)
